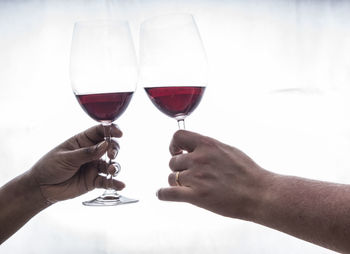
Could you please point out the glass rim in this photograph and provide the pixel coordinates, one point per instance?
(101, 21)
(149, 20)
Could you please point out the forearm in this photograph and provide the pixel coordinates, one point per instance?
(20, 200)
(314, 211)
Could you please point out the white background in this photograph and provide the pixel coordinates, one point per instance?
(278, 90)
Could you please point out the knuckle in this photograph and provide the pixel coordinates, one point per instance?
(115, 143)
(91, 150)
(76, 139)
(199, 159)
(171, 179)
(112, 154)
(65, 160)
(111, 169)
(208, 141)
(172, 163)
(199, 175)
(115, 130)
(178, 134)
(203, 193)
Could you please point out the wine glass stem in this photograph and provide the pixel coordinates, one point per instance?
(107, 134)
(181, 124)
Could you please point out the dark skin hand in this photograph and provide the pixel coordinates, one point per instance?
(69, 170)
(224, 180)
(73, 168)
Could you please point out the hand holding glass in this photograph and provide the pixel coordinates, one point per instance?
(103, 73)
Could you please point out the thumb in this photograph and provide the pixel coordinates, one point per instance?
(177, 193)
(86, 154)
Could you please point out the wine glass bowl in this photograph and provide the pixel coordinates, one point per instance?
(176, 101)
(103, 73)
(105, 107)
(173, 64)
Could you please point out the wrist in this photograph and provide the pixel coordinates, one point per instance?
(31, 190)
(20, 200)
(260, 195)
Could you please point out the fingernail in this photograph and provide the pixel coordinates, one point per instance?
(118, 129)
(101, 145)
(111, 170)
(157, 193)
(114, 153)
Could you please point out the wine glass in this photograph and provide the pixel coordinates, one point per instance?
(103, 72)
(173, 64)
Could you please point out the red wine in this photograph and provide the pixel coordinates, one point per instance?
(104, 107)
(176, 101)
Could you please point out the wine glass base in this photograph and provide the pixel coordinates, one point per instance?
(110, 200)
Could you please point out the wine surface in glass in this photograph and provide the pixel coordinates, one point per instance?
(104, 107)
(176, 101)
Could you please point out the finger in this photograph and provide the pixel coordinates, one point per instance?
(103, 182)
(84, 155)
(115, 131)
(113, 149)
(100, 165)
(180, 162)
(111, 169)
(103, 167)
(184, 140)
(184, 178)
(179, 194)
(95, 135)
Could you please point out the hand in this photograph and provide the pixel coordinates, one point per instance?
(214, 176)
(72, 168)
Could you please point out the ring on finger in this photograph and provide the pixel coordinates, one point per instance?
(177, 178)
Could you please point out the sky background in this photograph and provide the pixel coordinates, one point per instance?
(278, 89)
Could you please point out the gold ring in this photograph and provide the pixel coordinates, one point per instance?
(177, 180)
